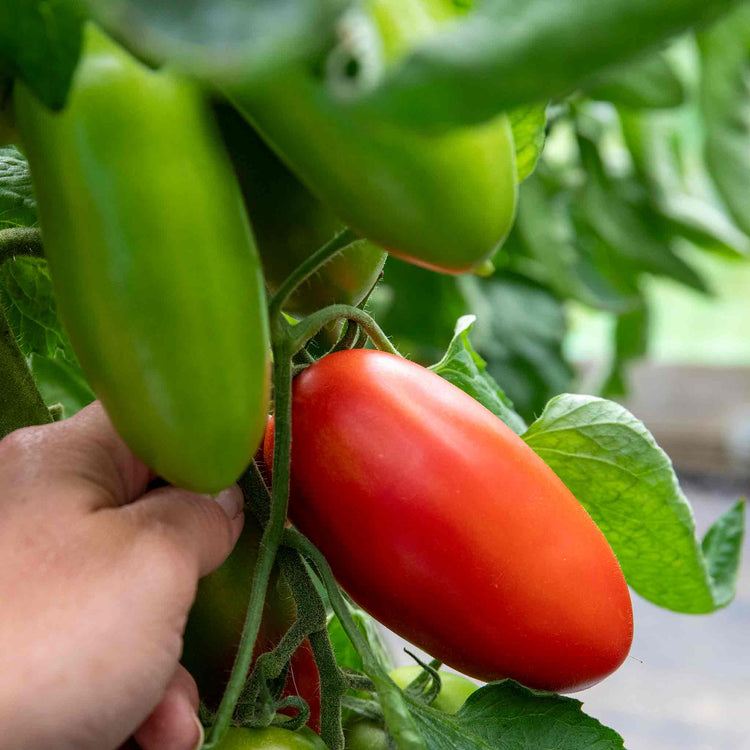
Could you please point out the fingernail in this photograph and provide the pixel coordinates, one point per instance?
(201, 734)
(231, 501)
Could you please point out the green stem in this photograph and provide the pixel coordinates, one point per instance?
(319, 258)
(308, 327)
(21, 403)
(400, 722)
(20, 241)
(269, 543)
(349, 338)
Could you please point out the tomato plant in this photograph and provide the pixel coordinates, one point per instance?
(209, 197)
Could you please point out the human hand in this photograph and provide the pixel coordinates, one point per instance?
(96, 580)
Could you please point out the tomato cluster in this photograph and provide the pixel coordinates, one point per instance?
(434, 516)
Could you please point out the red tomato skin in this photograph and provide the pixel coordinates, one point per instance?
(443, 524)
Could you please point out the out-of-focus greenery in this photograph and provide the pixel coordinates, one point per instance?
(631, 200)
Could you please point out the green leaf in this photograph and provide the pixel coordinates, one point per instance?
(704, 225)
(646, 82)
(17, 202)
(722, 547)
(625, 228)
(631, 343)
(528, 124)
(463, 367)
(61, 381)
(613, 466)
(27, 297)
(40, 42)
(346, 654)
(725, 102)
(507, 716)
(546, 226)
(221, 40)
(506, 53)
(519, 333)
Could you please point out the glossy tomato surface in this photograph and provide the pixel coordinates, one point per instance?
(442, 523)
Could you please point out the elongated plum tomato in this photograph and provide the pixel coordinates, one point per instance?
(442, 523)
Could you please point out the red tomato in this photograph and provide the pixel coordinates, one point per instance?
(443, 524)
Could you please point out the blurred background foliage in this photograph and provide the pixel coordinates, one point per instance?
(632, 233)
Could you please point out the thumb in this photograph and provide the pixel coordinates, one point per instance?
(204, 529)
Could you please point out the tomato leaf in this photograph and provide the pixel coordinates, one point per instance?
(646, 82)
(27, 298)
(507, 716)
(546, 227)
(61, 381)
(704, 225)
(463, 367)
(620, 223)
(528, 124)
(220, 39)
(612, 464)
(725, 102)
(17, 202)
(346, 654)
(40, 42)
(519, 333)
(504, 54)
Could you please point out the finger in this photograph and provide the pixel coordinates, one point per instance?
(200, 529)
(82, 458)
(173, 724)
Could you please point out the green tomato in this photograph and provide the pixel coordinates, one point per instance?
(364, 734)
(289, 224)
(271, 738)
(444, 200)
(155, 270)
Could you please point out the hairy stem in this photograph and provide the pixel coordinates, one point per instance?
(308, 327)
(399, 721)
(269, 543)
(20, 241)
(319, 258)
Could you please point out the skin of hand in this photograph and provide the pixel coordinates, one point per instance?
(96, 579)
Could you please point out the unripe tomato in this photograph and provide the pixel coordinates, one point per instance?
(214, 627)
(271, 738)
(155, 270)
(443, 524)
(290, 224)
(444, 200)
